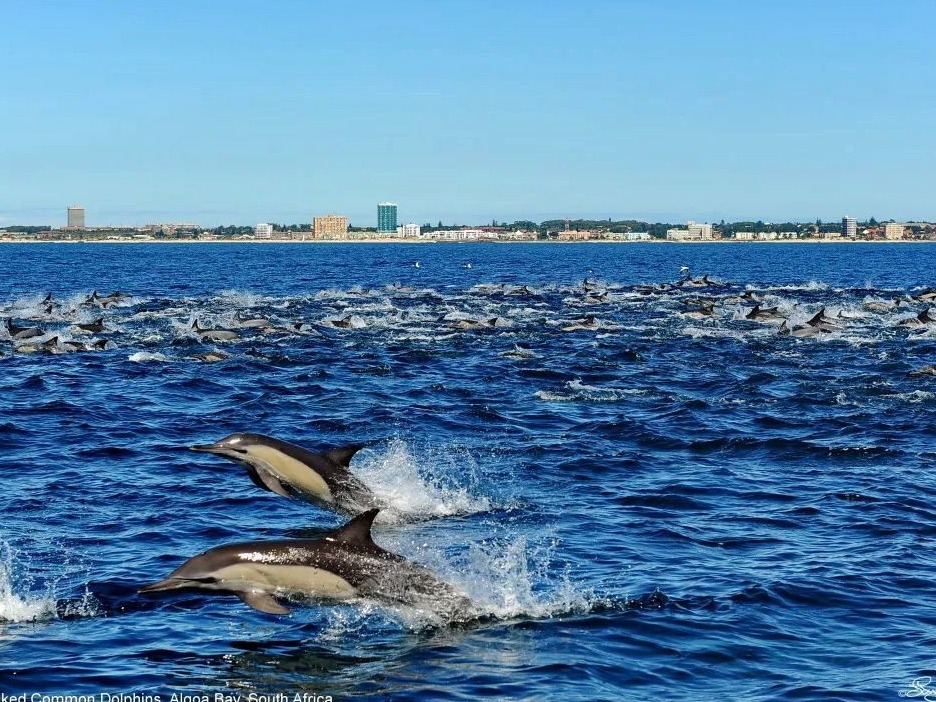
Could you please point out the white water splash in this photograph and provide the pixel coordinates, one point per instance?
(240, 298)
(503, 578)
(577, 391)
(437, 485)
(513, 578)
(914, 397)
(811, 286)
(15, 607)
(147, 357)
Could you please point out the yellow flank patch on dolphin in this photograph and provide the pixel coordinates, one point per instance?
(291, 471)
(285, 579)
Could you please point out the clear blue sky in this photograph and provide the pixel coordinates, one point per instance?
(245, 111)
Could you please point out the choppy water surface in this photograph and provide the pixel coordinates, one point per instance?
(645, 500)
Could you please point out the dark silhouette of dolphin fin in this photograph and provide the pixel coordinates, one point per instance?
(343, 456)
(262, 602)
(357, 531)
(817, 318)
(265, 480)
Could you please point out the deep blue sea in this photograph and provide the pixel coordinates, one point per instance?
(643, 501)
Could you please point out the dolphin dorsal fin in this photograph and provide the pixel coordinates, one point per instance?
(357, 531)
(342, 456)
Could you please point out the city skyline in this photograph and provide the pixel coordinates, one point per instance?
(652, 111)
(335, 226)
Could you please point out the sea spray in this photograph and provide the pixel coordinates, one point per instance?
(13, 606)
(442, 483)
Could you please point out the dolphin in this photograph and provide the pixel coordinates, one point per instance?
(595, 298)
(90, 328)
(214, 334)
(33, 345)
(764, 314)
(589, 322)
(104, 301)
(823, 323)
(352, 321)
(253, 323)
(295, 472)
(801, 332)
(702, 312)
(344, 564)
(479, 323)
(18, 333)
(920, 320)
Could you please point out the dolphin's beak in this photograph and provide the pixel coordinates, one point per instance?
(207, 448)
(163, 585)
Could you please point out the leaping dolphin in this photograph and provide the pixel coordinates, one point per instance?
(295, 472)
(343, 565)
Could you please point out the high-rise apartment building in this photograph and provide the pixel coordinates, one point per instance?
(76, 219)
(386, 218)
(263, 231)
(698, 230)
(849, 227)
(893, 230)
(330, 227)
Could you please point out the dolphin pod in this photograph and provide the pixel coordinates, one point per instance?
(345, 564)
(255, 326)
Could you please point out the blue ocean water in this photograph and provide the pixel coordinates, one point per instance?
(644, 502)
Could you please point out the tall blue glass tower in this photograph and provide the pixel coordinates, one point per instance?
(386, 218)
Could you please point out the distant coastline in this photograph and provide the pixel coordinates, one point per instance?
(655, 242)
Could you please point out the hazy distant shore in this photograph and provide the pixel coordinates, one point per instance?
(446, 241)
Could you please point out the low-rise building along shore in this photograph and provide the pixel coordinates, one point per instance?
(335, 228)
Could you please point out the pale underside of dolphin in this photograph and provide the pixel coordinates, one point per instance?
(294, 472)
(343, 565)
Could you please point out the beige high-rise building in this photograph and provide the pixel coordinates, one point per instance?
(76, 218)
(894, 230)
(330, 227)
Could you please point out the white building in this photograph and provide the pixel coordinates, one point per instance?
(460, 235)
(263, 231)
(849, 227)
(693, 232)
(409, 231)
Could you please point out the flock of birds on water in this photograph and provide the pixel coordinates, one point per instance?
(210, 332)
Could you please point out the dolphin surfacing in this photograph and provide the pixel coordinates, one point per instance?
(294, 472)
(345, 564)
